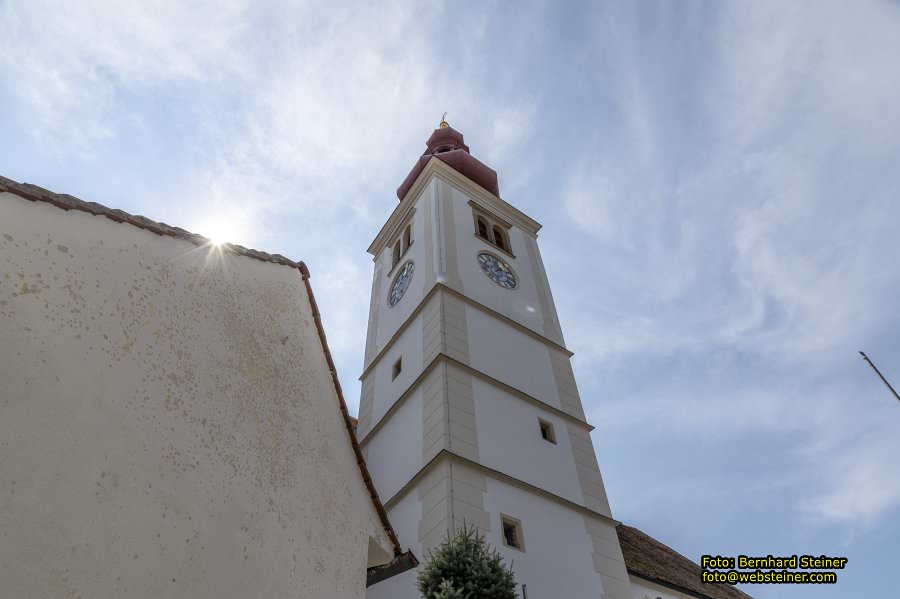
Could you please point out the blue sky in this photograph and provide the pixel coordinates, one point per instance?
(718, 184)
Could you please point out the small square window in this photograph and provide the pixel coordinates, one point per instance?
(398, 366)
(511, 528)
(547, 432)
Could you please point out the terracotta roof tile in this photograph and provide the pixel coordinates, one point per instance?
(68, 202)
(647, 558)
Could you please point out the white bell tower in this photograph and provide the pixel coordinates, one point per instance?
(469, 409)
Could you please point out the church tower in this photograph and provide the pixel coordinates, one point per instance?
(469, 410)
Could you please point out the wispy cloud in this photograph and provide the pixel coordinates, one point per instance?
(755, 219)
(70, 65)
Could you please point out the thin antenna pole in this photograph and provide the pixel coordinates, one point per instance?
(878, 372)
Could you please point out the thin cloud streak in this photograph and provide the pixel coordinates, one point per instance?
(70, 87)
(772, 240)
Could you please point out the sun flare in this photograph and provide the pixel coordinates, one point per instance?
(221, 231)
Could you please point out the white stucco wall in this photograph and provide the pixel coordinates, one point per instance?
(394, 453)
(557, 559)
(522, 304)
(387, 318)
(387, 389)
(510, 356)
(408, 512)
(405, 516)
(509, 440)
(168, 425)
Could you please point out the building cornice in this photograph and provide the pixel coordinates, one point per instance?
(477, 194)
(442, 357)
(441, 286)
(507, 320)
(486, 199)
(392, 227)
(449, 455)
(399, 215)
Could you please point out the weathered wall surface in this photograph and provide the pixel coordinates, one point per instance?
(168, 427)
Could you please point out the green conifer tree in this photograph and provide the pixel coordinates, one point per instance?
(465, 567)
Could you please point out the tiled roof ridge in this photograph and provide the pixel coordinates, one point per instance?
(65, 201)
(656, 542)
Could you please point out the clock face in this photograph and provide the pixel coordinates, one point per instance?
(498, 270)
(401, 282)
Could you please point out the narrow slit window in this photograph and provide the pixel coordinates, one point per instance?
(398, 366)
(547, 432)
(511, 529)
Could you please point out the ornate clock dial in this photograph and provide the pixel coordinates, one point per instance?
(498, 270)
(401, 283)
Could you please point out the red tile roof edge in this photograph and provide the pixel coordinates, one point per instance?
(349, 421)
(68, 202)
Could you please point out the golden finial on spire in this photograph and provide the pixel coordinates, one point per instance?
(444, 124)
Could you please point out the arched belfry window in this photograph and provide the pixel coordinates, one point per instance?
(396, 257)
(407, 237)
(492, 229)
(482, 229)
(499, 238)
(398, 250)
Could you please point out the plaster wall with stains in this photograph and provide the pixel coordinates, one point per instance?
(168, 424)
